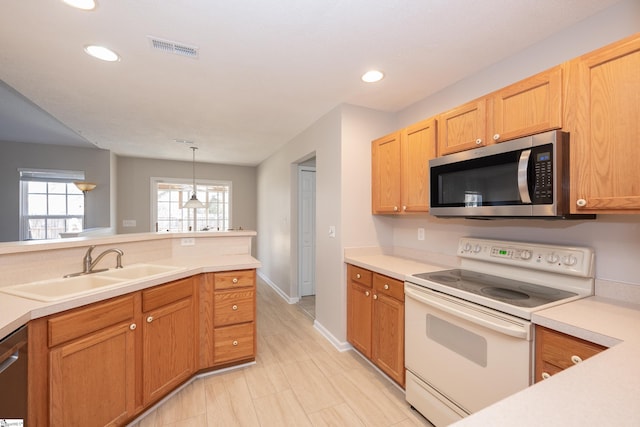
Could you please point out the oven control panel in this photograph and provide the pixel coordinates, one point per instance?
(572, 260)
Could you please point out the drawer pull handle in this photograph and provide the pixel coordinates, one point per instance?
(149, 319)
(576, 359)
(366, 293)
(386, 287)
(234, 307)
(358, 276)
(235, 343)
(132, 326)
(545, 375)
(235, 280)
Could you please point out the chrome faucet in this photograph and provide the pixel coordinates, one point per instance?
(89, 263)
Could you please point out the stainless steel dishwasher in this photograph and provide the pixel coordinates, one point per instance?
(13, 378)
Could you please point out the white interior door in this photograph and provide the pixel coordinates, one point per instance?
(307, 231)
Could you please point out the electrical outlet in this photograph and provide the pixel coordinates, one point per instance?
(187, 241)
(420, 233)
(128, 222)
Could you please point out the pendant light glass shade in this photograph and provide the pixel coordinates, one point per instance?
(193, 202)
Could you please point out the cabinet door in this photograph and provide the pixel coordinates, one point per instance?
(93, 379)
(606, 142)
(527, 107)
(359, 317)
(417, 148)
(463, 128)
(169, 345)
(388, 327)
(385, 174)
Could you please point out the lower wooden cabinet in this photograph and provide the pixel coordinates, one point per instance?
(104, 363)
(556, 351)
(375, 319)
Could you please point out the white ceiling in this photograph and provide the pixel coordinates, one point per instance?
(267, 69)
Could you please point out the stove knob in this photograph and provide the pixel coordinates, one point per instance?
(570, 260)
(552, 258)
(467, 247)
(477, 249)
(526, 254)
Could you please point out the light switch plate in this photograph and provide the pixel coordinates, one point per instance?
(332, 231)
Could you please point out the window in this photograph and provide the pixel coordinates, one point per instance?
(171, 194)
(50, 203)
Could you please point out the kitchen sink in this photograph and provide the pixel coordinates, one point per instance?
(137, 271)
(59, 289)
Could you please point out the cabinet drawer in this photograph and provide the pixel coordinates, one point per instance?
(234, 279)
(234, 343)
(359, 275)
(388, 286)
(558, 349)
(80, 322)
(234, 307)
(166, 294)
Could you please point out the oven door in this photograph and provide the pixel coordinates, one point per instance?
(466, 356)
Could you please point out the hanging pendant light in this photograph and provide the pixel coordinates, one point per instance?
(193, 202)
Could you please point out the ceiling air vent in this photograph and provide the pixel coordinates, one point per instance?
(177, 48)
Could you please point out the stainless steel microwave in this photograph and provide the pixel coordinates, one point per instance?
(525, 177)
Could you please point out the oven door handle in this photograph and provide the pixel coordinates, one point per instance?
(504, 327)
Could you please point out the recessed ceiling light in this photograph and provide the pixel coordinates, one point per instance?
(102, 52)
(372, 76)
(81, 4)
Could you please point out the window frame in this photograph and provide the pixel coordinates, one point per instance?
(27, 175)
(154, 181)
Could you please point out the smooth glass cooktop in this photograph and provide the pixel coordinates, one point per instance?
(514, 292)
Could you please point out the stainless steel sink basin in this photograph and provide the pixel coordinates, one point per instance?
(138, 271)
(59, 289)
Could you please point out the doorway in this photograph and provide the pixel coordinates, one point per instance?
(307, 236)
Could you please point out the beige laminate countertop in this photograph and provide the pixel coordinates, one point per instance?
(16, 311)
(601, 391)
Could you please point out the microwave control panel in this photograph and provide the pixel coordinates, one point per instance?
(543, 173)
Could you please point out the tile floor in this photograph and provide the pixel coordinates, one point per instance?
(299, 379)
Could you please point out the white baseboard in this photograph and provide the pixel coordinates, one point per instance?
(279, 291)
(339, 345)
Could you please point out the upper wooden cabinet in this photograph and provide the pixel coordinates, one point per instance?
(463, 128)
(527, 107)
(417, 147)
(530, 106)
(385, 174)
(605, 136)
(400, 169)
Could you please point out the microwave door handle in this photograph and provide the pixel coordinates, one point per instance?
(523, 172)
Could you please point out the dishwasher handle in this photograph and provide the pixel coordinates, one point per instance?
(456, 309)
(13, 358)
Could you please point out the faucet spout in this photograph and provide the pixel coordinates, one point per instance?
(118, 253)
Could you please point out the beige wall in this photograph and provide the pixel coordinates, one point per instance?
(133, 195)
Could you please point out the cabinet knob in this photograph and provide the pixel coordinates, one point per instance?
(404, 208)
(479, 141)
(235, 280)
(132, 326)
(358, 276)
(234, 307)
(545, 375)
(395, 209)
(149, 319)
(367, 293)
(375, 296)
(581, 202)
(235, 343)
(496, 137)
(576, 359)
(386, 286)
